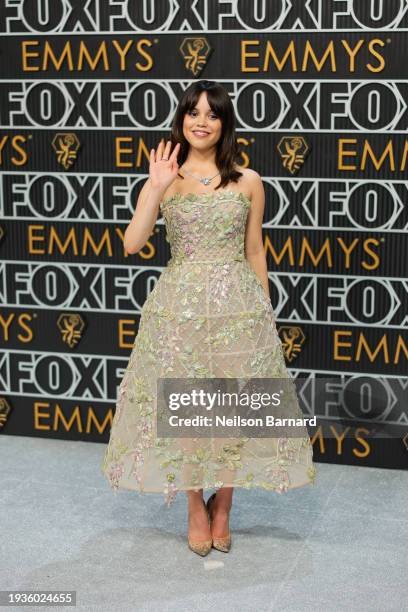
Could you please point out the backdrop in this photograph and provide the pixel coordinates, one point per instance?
(320, 93)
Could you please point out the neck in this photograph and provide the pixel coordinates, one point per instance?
(200, 162)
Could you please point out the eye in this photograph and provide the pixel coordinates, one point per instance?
(194, 112)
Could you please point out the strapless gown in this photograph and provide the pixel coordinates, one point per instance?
(207, 316)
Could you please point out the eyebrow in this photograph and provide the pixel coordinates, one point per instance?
(196, 108)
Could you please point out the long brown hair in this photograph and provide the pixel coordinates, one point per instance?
(227, 149)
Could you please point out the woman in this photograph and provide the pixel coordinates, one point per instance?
(209, 315)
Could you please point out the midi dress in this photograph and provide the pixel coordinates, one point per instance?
(207, 316)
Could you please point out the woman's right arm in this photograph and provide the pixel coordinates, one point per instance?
(144, 219)
(163, 170)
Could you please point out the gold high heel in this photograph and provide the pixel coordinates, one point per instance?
(201, 547)
(223, 544)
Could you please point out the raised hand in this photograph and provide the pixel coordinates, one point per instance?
(163, 167)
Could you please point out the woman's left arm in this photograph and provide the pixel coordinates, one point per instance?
(254, 248)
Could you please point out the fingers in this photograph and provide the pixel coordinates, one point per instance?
(167, 149)
(176, 150)
(163, 151)
(159, 150)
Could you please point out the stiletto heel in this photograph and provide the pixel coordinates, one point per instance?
(223, 544)
(201, 547)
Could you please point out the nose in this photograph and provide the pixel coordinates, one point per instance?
(201, 121)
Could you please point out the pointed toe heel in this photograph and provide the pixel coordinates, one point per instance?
(223, 544)
(201, 548)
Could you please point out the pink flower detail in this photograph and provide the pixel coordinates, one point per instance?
(279, 477)
(170, 493)
(115, 474)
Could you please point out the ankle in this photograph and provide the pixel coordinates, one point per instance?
(219, 508)
(196, 508)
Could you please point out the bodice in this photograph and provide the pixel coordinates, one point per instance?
(206, 227)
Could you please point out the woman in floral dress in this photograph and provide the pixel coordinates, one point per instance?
(208, 316)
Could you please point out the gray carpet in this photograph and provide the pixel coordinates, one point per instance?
(340, 544)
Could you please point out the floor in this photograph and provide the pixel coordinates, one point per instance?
(340, 544)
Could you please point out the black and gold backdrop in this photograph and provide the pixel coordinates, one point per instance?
(320, 93)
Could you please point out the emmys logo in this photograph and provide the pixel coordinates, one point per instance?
(195, 52)
(405, 441)
(292, 339)
(1, 233)
(293, 151)
(71, 327)
(66, 147)
(4, 411)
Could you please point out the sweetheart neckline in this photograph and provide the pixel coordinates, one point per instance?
(180, 196)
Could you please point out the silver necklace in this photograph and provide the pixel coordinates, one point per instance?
(205, 179)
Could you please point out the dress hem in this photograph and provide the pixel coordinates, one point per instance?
(118, 488)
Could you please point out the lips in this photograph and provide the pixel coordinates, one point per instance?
(200, 133)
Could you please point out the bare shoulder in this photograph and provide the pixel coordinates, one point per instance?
(251, 181)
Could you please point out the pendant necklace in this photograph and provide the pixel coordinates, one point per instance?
(205, 179)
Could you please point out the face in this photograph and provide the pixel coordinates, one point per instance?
(201, 126)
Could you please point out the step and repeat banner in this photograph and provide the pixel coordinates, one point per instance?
(320, 91)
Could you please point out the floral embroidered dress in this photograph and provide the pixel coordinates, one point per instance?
(207, 316)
